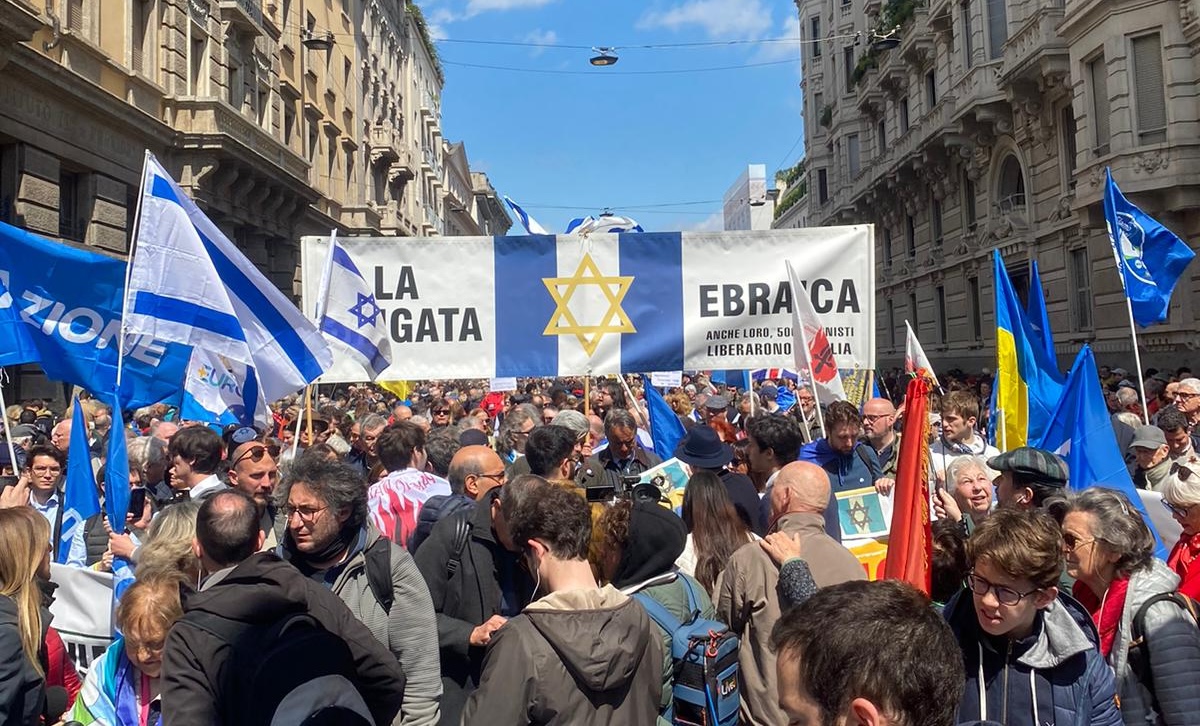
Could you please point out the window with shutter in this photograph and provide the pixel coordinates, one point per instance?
(1098, 75)
(75, 15)
(853, 156)
(968, 43)
(1149, 89)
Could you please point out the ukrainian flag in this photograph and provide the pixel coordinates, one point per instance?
(1028, 382)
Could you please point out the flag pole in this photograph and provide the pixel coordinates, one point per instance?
(587, 395)
(632, 402)
(137, 221)
(12, 452)
(1137, 355)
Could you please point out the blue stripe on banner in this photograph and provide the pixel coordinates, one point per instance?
(343, 259)
(523, 305)
(243, 287)
(356, 341)
(250, 397)
(654, 302)
(187, 313)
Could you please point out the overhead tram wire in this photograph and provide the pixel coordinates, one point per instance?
(671, 71)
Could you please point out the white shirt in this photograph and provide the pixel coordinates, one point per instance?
(207, 487)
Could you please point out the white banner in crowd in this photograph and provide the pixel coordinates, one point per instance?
(486, 307)
(666, 379)
(503, 385)
(82, 612)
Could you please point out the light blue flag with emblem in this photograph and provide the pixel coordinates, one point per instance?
(1080, 431)
(80, 498)
(348, 314)
(1149, 256)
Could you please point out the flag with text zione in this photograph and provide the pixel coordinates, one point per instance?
(1150, 257)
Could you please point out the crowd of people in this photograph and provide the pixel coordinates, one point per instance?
(459, 555)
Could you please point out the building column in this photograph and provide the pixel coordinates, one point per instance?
(37, 199)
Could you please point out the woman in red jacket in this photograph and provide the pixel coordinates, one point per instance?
(1181, 495)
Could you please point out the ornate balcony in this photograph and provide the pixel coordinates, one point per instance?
(1036, 56)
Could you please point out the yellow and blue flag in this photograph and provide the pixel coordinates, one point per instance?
(1149, 256)
(1028, 383)
(1039, 318)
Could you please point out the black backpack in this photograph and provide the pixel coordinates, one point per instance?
(435, 509)
(1139, 653)
(292, 671)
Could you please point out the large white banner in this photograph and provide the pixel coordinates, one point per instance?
(82, 612)
(484, 307)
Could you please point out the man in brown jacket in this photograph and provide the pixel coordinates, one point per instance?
(746, 596)
(581, 654)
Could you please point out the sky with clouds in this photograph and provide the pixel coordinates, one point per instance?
(565, 139)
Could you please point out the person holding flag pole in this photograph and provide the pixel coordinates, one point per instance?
(1150, 260)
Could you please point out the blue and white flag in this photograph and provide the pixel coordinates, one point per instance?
(61, 307)
(1150, 257)
(529, 223)
(541, 305)
(665, 427)
(1081, 433)
(613, 223)
(350, 317)
(190, 285)
(80, 498)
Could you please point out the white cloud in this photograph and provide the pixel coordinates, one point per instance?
(718, 18)
(475, 7)
(785, 43)
(714, 222)
(438, 20)
(540, 37)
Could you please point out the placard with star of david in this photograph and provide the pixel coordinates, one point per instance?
(864, 514)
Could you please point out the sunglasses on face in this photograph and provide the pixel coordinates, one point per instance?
(256, 453)
(1178, 510)
(1184, 473)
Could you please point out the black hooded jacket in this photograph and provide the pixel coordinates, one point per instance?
(261, 591)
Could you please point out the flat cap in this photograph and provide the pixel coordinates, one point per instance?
(1148, 437)
(1032, 465)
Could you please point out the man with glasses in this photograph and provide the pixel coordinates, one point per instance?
(43, 475)
(330, 540)
(1030, 652)
(879, 418)
(1187, 400)
(254, 471)
(474, 575)
(473, 472)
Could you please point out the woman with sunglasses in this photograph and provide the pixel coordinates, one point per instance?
(1181, 496)
(1110, 553)
(1029, 651)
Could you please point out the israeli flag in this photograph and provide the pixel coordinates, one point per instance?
(189, 284)
(1150, 257)
(350, 317)
(529, 223)
(613, 223)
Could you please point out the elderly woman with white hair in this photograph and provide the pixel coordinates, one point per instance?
(1147, 633)
(967, 497)
(1181, 496)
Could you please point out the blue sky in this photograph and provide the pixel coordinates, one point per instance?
(607, 137)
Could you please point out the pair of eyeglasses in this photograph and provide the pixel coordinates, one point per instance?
(498, 478)
(306, 514)
(255, 454)
(1178, 510)
(441, 412)
(1004, 595)
(872, 418)
(1073, 543)
(1183, 472)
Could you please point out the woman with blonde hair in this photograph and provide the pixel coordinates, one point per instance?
(168, 547)
(24, 555)
(122, 686)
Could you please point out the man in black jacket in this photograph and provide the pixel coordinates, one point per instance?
(477, 583)
(257, 589)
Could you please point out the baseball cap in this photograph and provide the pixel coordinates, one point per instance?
(1032, 465)
(1148, 437)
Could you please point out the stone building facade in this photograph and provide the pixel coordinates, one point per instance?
(990, 127)
(281, 118)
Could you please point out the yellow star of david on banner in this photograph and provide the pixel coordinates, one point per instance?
(614, 319)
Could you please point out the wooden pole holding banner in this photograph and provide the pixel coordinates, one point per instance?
(1137, 356)
(12, 452)
(633, 404)
(308, 412)
(587, 395)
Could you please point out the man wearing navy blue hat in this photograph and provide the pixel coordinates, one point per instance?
(702, 448)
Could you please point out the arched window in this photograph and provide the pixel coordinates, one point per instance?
(1011, 187)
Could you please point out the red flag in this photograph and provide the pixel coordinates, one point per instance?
(910, 544)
